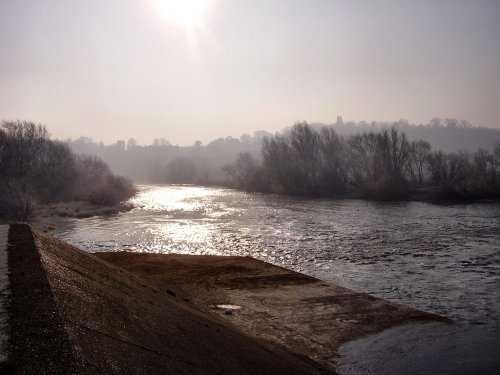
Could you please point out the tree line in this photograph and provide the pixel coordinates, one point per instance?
(163, 162)
(35, 170)
(448, 135)
(376, 165)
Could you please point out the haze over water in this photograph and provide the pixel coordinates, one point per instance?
(442, 259)
(201, 69)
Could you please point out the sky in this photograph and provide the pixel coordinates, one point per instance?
(115, 69)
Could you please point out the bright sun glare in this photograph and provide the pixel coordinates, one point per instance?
(186, 13)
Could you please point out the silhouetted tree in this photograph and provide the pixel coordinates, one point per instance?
(25, 141)
(57, 174)
(305, 149)
(159, 142)
(23, 146)
(36, 170)
(451, 173)
(181, 171)
(245, 174)
(3, 147)
(486, 175)
(279, 165)
(333, 162)
(131, 143)
(394, 151)
(98, 185)
(364, 166)
(419, 151)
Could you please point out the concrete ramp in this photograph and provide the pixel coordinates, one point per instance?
(301, 313)
(73, 313)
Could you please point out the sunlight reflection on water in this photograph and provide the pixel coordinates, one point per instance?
(183, 221)
(167, 199)
(443, 259)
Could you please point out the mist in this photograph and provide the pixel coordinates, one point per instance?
(121, 69)
(163, 162)
(234, 186)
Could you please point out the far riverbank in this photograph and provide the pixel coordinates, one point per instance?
(48, 217)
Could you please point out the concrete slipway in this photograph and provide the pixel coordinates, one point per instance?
(128, 313)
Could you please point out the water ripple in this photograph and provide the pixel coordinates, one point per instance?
(443, 259)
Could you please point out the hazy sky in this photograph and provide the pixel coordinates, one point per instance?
(148, 69)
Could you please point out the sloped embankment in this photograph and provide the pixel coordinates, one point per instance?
(301, 313)
(73, 313)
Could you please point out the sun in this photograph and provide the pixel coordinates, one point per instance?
(186, 13)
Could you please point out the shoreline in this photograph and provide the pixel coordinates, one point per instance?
(266, 302)
(103, 319)
(120, 312)
(48, 217)
(431, 195)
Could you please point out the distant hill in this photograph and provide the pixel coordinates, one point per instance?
(447, 135)
(198, 163)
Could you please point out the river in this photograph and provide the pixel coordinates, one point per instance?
(441, 259)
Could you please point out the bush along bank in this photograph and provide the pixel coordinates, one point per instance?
(36, 171)
(381, 165)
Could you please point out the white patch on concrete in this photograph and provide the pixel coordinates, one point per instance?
(4, 292)
(228, 307)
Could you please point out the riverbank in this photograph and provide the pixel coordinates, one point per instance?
(48, 217)
(78, 314)
(130, 313)
(301, 313)
(428, 194)
(177, 314)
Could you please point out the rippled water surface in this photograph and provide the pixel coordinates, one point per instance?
(442, 259)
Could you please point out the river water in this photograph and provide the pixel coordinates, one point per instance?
(441, 259)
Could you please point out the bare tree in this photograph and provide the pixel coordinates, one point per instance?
(244, 173)
(304, 143)
(181, 170)
(496, 155)
(486, 169)
(97, 185)
(394, 150)
(363, 159)
(25, 141)
(419, 150)
(279, 165)
(160, 142)
(333, 168)
(131, 143)
(56, 175)
(452, 172)
(3, 148)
